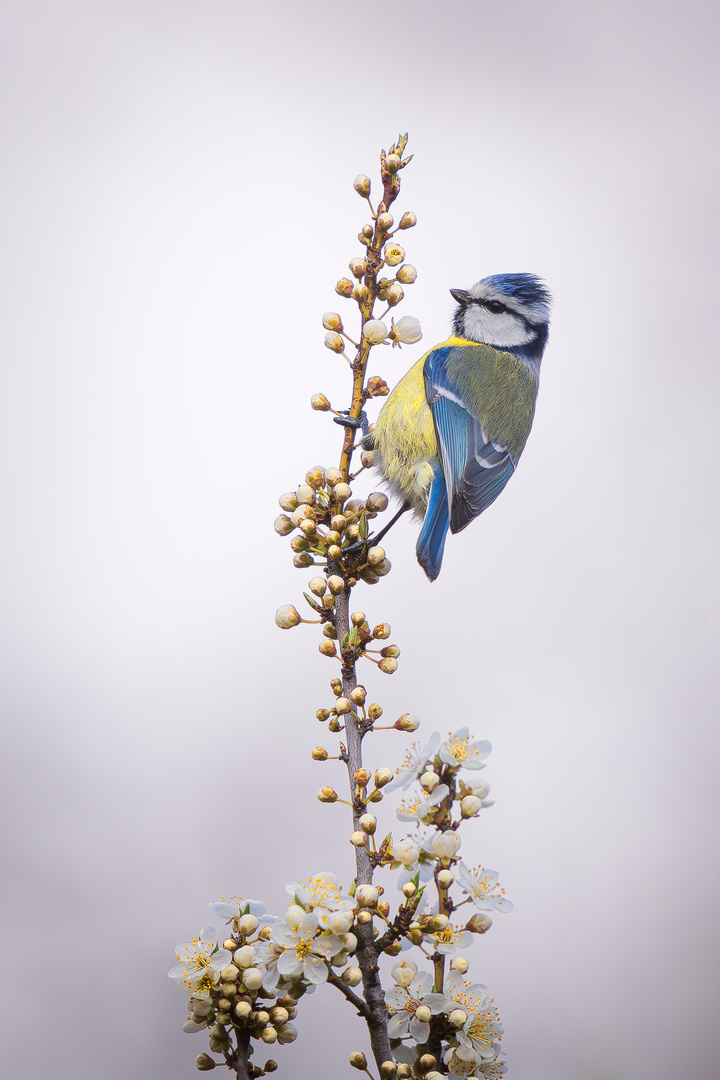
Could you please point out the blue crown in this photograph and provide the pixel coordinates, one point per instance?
(527, 288)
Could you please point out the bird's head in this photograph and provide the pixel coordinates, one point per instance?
(508, 311)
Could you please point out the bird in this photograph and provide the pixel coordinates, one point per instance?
(451, 432)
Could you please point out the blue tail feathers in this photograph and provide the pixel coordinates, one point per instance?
(431, 542)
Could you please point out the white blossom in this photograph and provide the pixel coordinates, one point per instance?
(459, 750)
(417, 809)
(306, 951)
(482, 887)
(403, 1003)
(237, 906)
(321, 894)
(200, 962)
(414, 763)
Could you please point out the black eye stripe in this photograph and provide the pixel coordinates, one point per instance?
(492, 305)
(529, 325)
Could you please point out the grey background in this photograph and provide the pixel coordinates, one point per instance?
(177, 205)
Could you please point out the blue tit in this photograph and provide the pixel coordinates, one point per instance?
(451, 433)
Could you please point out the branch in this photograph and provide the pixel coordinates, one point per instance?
(353, 998)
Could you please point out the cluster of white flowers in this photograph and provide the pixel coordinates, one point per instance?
(445, 1008)
(462, 1008)
(265, 957)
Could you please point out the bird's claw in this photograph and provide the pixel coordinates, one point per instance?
(345, 420)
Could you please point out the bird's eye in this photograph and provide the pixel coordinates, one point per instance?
(495, 306)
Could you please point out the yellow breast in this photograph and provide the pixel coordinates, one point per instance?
(404, 440)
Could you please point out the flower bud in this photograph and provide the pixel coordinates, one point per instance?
(429, 780)
(407, 274)
(457, 1017)
(230, 944)
(271, 1066)
(305, 496)
(393, 162)
(367, 232)
(390, 650)
(308, 528)
(368, 823)
(375, 331)
(375, 712)
(287, 1033)
(358, 267)
(407, 220)
(361, 777)
(317, 586)
(394, 295)
(243, 957)
(279, 1015)
(367, 458)
(327, 648)
(342, 492)
(388, 1070)
(343, 705)
(335, 584)
(470, 806)
(459, 964)
(283, 525)
(351, 976)
(375, 556)
(252, 977)
(479, 924)
(367, 896)
(444, 879)
(344, 287)
(358, 838)
(288, 501)
(332, 477)
(242, 1010)
(406, 331)
(326, 794)
(322, 715)
(362, 185)
(393, 254)
(409, 889)
(269, 1035)
(360, 292)
(376, 502)
(385, 221)
(358, 1060)
(404, 1072)
(407, 722)
(287, 616)
(205, 1063)
(334, 342)
(320, 754)
(383, 776)
(336, 687)
(332, 321)
(389, 666)
(358, 695)
(248, 924)
(427, 1062)
(334, 553)
(423, 1014)
(377, 387)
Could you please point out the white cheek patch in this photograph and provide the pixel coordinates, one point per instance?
(503, 330)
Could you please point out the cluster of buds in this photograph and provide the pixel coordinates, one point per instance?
(329, 529)
(226, 992)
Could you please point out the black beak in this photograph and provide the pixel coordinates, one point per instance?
(461, 295)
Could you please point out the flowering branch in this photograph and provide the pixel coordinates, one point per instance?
(246, 991)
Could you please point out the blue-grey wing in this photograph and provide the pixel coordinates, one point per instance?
(476, 468)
